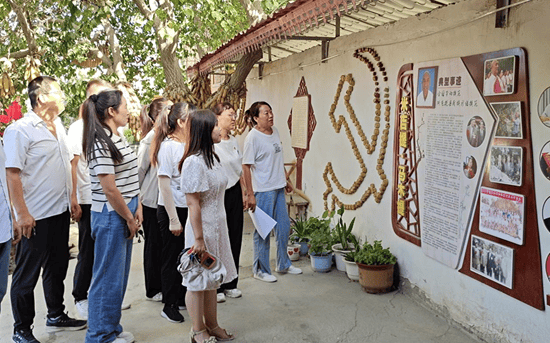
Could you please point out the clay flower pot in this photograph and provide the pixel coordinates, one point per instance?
(376, 278)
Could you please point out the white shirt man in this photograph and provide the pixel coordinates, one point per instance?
(39, 181)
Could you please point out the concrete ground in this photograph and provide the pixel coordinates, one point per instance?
(312, 307)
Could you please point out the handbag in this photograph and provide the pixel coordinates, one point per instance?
(198, 278)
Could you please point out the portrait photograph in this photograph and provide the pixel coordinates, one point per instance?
(492, 261)
(509, 119)
(506, 165)
(426, 87)
(475, 131)
(469, 166)
(501, 214)
(543, 107)
(544, 160)
(499, 76)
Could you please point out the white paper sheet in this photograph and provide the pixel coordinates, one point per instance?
(262, 222)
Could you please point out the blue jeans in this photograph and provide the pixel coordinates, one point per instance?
(4, 266)
(112, 259)
(274, 204)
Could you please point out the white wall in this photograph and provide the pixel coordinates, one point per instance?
(489, 313)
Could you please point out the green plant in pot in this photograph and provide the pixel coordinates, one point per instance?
(376, 265)
(320, 247)
(343, 239)
(301, 232)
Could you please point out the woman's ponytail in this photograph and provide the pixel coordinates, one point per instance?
(162, 130)
(94, 116)
(167, 122)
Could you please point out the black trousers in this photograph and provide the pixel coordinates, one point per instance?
(85, 263)
(235, 220)
(152, 252)
(173, 293)
(47, 249)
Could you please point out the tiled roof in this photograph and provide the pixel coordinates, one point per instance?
(313, 18)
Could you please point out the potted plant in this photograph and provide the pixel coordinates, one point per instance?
(320, 246)
(343, 240)
(352, 269)
(376, 266)
(301, 234)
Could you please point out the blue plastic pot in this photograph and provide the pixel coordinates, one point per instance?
(304, 248)
(321, 263)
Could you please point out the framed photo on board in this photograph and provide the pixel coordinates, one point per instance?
(499, 76)
(492, 261)
(427, 87)
(543, 107)
(506, 165)
(501, 214)
(509, 119)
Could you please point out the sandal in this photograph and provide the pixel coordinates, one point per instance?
(229, 335)
(192, 335)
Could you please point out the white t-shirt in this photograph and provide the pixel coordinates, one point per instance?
(169, 156)
(231, 159)
(126, 173)
(148, 182)
(265, 154)
(44, 161)
(420, 101)
(74, 138)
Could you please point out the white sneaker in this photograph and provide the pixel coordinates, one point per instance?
(233, 293)
(125, 306)
(265, 277)
(82, 309)
(220, 297)
(125, 336)
(294, 270)
(290, 270)
(157, 297)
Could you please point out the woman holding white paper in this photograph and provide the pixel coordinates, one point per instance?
(265, 179)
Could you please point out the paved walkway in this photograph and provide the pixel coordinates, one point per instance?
(312, 307)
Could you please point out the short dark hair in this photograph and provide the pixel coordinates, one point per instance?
(253, 112)
(95, 83)
(222, 106)
(39, 85)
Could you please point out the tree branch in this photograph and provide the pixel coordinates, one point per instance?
(144, 9)
(18, 54)
(104, 58)
(23, 21)
(243, 68)
(118, 63)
